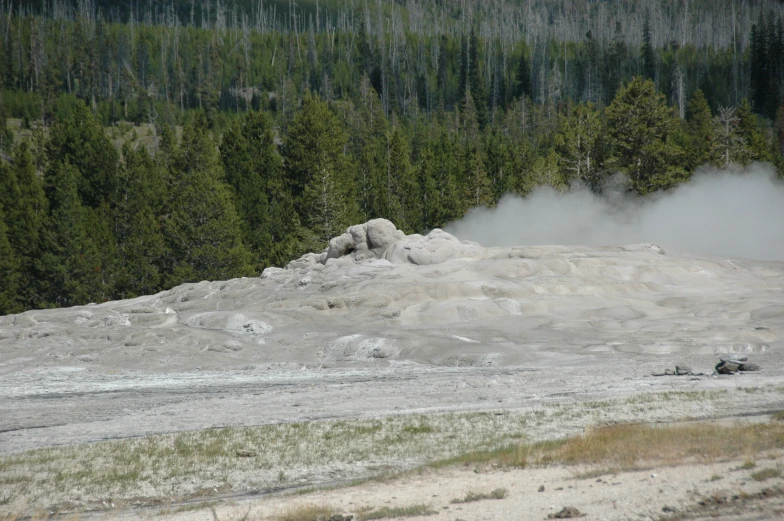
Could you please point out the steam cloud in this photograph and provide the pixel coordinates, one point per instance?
(723, 213)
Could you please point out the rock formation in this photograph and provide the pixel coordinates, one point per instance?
(378, 296)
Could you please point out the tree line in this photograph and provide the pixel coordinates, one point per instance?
(88, 222)
(144, 61)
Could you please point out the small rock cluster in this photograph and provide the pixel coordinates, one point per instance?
(566, 513)
(733, 364)
(680, 370)
(729, 364)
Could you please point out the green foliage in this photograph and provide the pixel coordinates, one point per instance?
(580, 146)
(254, 171)
(137, 227)
(72, 261)
(699, 129)
(9, 271)
(78, 138)
(410, 124)
(202, 232)
(22, 197)
(319, 172)
(641, 127)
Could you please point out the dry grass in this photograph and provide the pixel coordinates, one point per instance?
(499, 493)
(391, 512)
(626, 447)
(305, 513)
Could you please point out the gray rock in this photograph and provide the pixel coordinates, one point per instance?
(727, 368)
(541, 488)
(748, 366)
(733, 358)
(669, 372)
(566, 513)
(682, 369)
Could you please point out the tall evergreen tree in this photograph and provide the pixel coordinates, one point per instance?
(319, 172)
(78, 138)
(402, 197)
(614, 72)
(254, 171)
(9, 271)
(71, 260)
(699, 129)
(523, 74)
(647, 53)
(22, 195)
(749, 131)
(580, 146)
(203, 231)
(641, 129)
(137, 227)
(476, 80)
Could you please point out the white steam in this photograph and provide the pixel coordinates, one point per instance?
(724, 213)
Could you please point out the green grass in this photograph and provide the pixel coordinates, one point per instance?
(764, 474)
(174, 465)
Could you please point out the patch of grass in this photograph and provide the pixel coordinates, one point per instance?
(779, 416)
(499, 493)
(391, 512)
(746, 465)
(762, 475)
(596, 473)
(628, 447)
(418, 429)
(305, 513)
(716, 477)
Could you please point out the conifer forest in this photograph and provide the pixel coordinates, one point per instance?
(148, 143)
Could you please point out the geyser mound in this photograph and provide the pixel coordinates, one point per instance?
(378, 296)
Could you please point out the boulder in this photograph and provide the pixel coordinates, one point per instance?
(682, 369)
(566, 513)
(727, 368)
(748, 366)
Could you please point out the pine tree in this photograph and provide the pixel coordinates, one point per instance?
(641, 127)
(780, 130)
(647, 53)
(401, 185)
(476, 81)
(319, 172)
(137, 228)
(203, 230)
(78, 138)
(22, 196)
(699, 128)
(477, 190)
(729, 146)
(439, 190)
(9, 270)
(580, 146)
(614, 64)
(749, 131)
(523, 75)
(254, 171)
(71, 261)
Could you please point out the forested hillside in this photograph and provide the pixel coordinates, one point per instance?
(276, 124)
